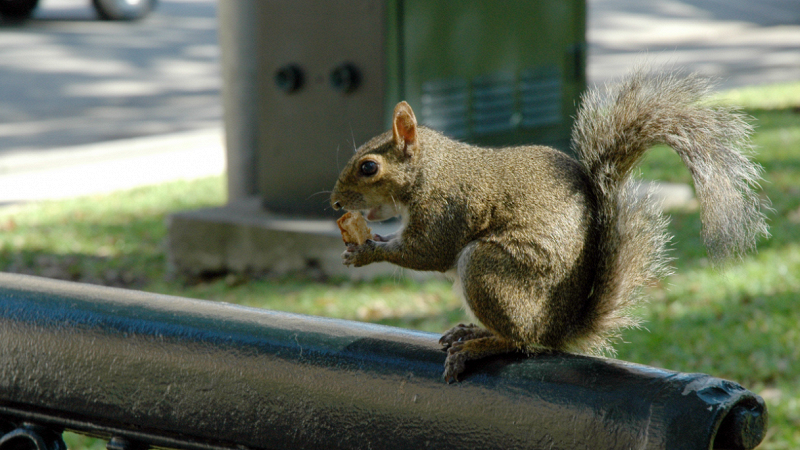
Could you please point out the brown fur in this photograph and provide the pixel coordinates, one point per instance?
(552, 252)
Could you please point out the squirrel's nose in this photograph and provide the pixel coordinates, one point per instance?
(336, 205)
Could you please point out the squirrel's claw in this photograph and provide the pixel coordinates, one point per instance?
(455, 362)
(462, 333)
(347, 255)
(455, 334)
(359, 255)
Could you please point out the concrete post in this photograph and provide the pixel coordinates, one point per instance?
(238, 29)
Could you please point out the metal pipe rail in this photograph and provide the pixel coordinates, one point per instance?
(148, 370)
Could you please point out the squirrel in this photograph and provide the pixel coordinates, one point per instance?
(551, 252)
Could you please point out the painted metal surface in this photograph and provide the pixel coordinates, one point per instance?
(174, 372)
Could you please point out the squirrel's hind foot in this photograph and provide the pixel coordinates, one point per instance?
(462, 351)
(462, 333)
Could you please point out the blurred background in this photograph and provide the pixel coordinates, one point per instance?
(69, 78)
(109, 128)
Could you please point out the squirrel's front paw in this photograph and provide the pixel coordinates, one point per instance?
(359, 255)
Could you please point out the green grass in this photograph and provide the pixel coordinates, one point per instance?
(739, 323)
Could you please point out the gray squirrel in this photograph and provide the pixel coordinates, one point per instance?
(551, 252)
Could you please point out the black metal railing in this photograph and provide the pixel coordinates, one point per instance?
(146, 370)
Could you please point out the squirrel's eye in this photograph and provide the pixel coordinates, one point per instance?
(369, 168)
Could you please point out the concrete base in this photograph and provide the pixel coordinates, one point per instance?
(242, 238)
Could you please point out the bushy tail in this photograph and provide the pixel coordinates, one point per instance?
(613, 130)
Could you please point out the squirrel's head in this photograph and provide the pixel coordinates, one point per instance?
(378, 177)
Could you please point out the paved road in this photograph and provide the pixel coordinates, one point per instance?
(742, 42)
(68, 79)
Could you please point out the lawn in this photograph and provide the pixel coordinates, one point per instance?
(739, 323)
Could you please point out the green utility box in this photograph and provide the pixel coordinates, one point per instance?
(328, 74)
(493, 73)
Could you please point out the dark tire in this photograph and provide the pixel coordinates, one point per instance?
(123, 9)
(17, 9)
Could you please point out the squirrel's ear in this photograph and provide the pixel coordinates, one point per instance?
(404, 127)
